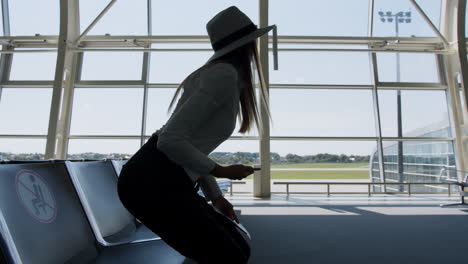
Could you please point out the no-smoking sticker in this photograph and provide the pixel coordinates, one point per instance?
(36, 196)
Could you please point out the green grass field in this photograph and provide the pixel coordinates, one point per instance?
(323, 165)
(318, 175)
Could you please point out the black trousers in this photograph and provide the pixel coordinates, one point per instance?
(160, 194)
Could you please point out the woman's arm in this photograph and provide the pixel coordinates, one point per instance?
(210, 188)
(233, 172)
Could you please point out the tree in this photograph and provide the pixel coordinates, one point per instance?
(225, 158)
(274, 157)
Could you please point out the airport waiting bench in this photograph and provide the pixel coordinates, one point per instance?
(42, 220)
(62, 211)
(224, 184)
(96, 185)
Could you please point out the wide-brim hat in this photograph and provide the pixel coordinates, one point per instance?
(231, 28)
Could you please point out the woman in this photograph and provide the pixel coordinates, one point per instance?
(159, 184)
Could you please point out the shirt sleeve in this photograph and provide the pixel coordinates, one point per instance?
(210, 187)
(217, 85)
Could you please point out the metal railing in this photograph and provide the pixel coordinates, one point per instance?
(369, 192)
(369, 184)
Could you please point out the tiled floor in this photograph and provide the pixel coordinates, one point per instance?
(354, 228)
(318, 200)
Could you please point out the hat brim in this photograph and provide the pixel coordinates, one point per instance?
(244, 40)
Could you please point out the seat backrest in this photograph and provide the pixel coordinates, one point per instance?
(25, 161)
(41, 218)
(4, 258)
(118, 164)
(96, 184)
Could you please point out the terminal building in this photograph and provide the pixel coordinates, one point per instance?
(423, 162)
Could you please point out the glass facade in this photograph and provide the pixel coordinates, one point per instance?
(423, 162)
(354, 75)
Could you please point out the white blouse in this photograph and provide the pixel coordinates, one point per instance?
(205, 116)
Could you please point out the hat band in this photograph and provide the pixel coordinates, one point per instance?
(233, 36)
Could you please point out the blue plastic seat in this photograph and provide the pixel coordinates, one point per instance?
(96, 185)
(43, 221)
(118, 164)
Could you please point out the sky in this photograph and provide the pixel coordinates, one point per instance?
(320, 113)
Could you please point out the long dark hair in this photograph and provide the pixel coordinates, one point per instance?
(244, 59)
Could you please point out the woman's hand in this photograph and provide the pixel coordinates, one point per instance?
(233, 172)
(225, 207)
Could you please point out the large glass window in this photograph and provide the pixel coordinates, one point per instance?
(112, 66)
(25, 110)
(321, 159)
(325, 94)
(409, 67)
(180, 17)
(173, 67)
(320, 18)
(316, 67)
(22, 148)
(422, 161)
(463, 107)
(34, 17)
(234, 145)
(423, 113)
(158, 102)
(303, 147)
(125, 17)
(332, 113)
(102, 148)
(33, 66)
(252, 133)
(410, 23)
(107, 111)
(1, 23)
